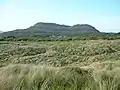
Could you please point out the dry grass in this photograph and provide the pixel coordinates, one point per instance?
(73, 65)
(97, 76)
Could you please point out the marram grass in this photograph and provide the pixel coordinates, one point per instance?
(36, 77)
(56, 65)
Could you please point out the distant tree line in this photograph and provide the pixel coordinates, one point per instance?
(103, 36)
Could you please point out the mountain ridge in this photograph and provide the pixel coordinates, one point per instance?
(43, 29)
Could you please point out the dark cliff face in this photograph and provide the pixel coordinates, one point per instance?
(48, 29)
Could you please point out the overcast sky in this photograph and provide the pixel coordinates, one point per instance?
(19, 14)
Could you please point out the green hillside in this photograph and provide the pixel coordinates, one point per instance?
(51, 30)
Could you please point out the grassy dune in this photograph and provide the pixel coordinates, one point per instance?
(60, 65)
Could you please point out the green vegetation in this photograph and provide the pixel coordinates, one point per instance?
(100, 36)
(60, 65)
(52, 29)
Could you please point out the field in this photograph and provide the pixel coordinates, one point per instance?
(60, 65)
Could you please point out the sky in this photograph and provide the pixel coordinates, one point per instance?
(104, 15)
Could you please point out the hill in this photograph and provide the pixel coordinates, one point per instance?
(52, 30)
